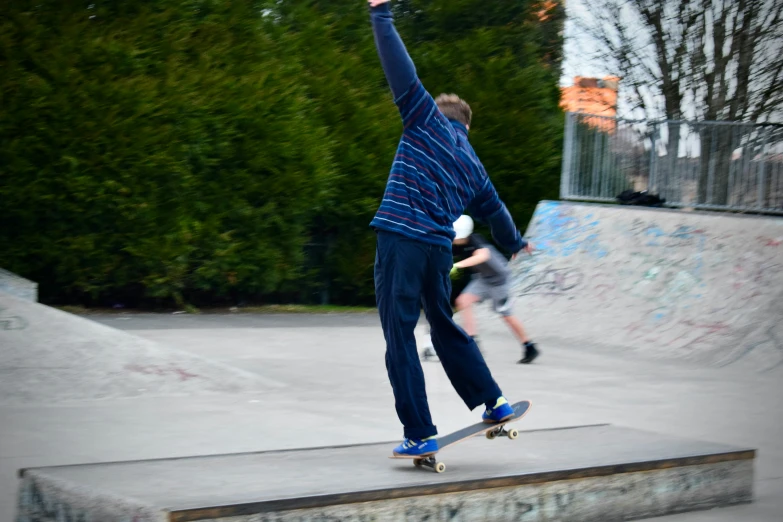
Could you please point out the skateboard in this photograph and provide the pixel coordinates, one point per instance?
(491, 431)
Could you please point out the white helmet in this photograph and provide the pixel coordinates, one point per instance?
(463, 227)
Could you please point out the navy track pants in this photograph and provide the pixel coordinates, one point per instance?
(409, 274)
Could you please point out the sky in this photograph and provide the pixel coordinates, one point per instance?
(578, 48)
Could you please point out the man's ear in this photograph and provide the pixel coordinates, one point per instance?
(467, 126)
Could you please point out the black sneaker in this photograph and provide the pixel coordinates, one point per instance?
(428, 353)
(530, 353)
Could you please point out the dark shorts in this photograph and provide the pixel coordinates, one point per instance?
(500, 294)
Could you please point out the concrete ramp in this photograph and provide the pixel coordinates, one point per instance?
(707, 287)
(48, 356)
(11, 283)
(591, 474)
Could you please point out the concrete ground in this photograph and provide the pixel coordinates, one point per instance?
(330, 373)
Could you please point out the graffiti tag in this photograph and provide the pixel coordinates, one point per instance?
(551, 281)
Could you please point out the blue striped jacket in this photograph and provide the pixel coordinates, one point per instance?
(436, 176)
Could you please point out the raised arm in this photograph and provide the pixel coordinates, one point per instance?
(397, 64)
(488, 207)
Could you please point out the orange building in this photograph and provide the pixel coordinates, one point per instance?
(591, 96)
(545, 8)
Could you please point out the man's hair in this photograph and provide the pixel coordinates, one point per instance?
(454, 108)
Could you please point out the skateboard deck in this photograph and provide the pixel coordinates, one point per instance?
(491, 431)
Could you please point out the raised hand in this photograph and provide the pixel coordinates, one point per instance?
(528, 249)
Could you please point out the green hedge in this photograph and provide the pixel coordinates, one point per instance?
(220, 151)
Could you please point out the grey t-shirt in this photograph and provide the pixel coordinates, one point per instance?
(494, 270)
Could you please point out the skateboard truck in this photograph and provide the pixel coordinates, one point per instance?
(430, 463)
(501, 431)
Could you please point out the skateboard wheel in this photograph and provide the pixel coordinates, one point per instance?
(417, 462)
(513, 434)
(491, 434)
(440, 467)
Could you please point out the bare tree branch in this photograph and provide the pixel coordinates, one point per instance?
(710, 59)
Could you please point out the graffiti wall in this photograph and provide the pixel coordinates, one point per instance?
(706, 286)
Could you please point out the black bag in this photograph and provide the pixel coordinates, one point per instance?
(642, 199)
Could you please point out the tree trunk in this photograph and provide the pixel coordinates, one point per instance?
(717, 147)
(671, 179)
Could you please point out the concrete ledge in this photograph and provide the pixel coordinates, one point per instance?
(615, 497)
(600, 473)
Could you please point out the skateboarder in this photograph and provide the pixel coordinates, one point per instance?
(489, 281)
(435, 176)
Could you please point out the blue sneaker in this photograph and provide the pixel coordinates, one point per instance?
(500, 412)
(417, 447)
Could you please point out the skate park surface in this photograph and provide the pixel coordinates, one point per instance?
(183, 385)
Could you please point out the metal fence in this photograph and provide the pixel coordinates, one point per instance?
(711, 165)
